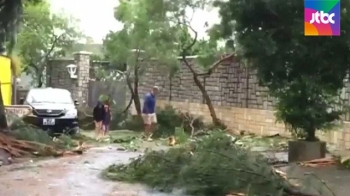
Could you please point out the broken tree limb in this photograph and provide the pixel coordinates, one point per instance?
(191, 121)
(19, 148)
(319, 162)
(216, 64)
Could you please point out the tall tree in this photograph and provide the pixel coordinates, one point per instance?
(44, 35)
(146, 34)
(10, 15)
(305, 74)
(209, 54)
(10, 19)
(162, 29)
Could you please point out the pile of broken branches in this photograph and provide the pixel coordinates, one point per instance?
(210, 165)
(22, 148)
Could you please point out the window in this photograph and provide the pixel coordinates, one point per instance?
(60, 96)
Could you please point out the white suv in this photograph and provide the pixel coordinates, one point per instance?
(53, 110)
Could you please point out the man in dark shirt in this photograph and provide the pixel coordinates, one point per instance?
(149, 113)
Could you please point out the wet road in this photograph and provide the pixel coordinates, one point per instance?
(323, 181)
(73, 176)
(79, 176)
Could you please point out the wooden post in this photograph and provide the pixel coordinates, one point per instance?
(3, 121)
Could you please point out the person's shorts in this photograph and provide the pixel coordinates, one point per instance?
(149, 118)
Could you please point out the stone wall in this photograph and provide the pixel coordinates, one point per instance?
(58, 76)
(238, 99)
(232, 84)
(86, 87)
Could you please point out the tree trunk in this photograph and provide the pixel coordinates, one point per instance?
(207, 99)
(136, 92)
(311, 135)
(135, 97)
(3, 121)
(39, 80)
(137, 103)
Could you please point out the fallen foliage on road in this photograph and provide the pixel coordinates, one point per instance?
(210, 165)
(23, 140)
(20, 148)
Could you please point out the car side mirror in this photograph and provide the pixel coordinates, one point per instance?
(76, 102)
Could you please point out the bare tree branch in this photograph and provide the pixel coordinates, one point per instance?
(54, 42)
(185, 49)
(191, 121)
(216, 64)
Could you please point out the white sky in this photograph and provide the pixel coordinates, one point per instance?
(96, 19)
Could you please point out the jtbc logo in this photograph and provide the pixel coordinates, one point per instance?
(322, 18)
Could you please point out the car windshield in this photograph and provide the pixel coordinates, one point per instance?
(49, 96)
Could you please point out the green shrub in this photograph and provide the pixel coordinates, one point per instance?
(118, 117)
(180, 135)
(133, 123)
(168, 119)
(30, 133)
(22, 131)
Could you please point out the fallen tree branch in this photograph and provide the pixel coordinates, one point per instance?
(191, 121)
(18, 148)
(290, 189)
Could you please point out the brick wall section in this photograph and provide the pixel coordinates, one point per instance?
(261, 122)
(238, 99)
(179, 88)
(231, 84)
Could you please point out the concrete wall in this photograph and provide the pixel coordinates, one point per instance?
(238, 99)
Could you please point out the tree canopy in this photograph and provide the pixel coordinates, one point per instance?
(10, 19)
(146, 34)
(305, 74)
(145, 28)
(161, 30)
(44, 35)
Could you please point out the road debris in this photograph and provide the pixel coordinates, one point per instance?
(171, 141)
(235, 194)
(21, 148)
(319, 162)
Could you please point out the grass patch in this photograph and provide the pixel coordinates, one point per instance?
(129, 140)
